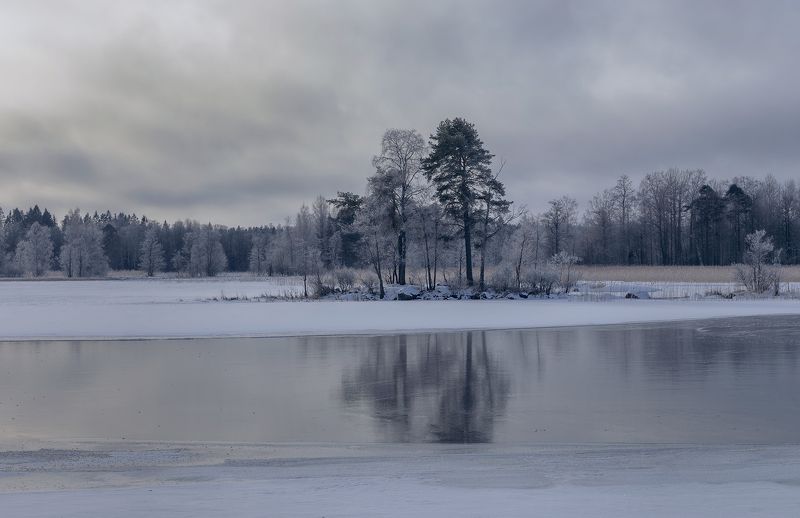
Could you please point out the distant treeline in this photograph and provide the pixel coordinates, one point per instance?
(429, 208)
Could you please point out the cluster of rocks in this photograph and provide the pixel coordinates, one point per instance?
(441, 292)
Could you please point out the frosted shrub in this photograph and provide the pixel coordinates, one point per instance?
(369, 282)
(345, 279)
(563, 263)
(323, 285)
(757, 274)
(502, 279)
(540, 281)
(415, 279)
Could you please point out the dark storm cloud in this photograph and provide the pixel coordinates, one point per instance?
(240, 111)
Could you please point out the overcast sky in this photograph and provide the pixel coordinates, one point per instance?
(239, 111)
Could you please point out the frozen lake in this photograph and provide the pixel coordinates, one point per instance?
(703, 382)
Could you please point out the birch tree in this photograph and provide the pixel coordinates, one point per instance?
(206, 255)
(151, 254)
(260, 255)
(395, 184)
(82, 252)
(35, 253)
(376, 238)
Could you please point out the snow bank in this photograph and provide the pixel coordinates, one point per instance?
(173, 309)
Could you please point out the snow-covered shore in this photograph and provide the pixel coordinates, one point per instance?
(183, 309)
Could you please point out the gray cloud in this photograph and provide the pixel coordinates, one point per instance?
(240, 111)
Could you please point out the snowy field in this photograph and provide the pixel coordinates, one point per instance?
(79, 480)
(185, 308)
(142, 291)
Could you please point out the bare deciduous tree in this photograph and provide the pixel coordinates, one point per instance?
(559, 221)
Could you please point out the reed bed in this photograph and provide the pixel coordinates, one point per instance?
(702, 274)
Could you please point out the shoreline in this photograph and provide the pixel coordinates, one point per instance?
(389, 332)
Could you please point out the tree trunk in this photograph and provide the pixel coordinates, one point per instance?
(483, 248)
(427, 259)
(401, 260)
(435, 251)
(482, 281)
(468, 248)
(381, 292)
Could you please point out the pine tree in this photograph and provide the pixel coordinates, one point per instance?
(707, 209)
(459, 168)
(346, 207)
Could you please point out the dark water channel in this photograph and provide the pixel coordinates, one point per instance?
(720, 381)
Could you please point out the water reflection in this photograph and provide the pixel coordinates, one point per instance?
(699, 382)
(450, 389)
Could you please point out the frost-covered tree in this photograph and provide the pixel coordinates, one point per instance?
(524, 248)
(790, 209)
(305, 241)
(323, 231)
(35, 252)
(2, 242)
(459, 168)
(82, 252)
(206, 255)
(260, 255)
(599, 221)
(395, 185)
(493, 216)
(428, 228)
(377, 238)
(559, 222)
(151, 254)
(761, 269)
(624, 203)
(563, 263)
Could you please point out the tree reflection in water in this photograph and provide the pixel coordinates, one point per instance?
(446, 388)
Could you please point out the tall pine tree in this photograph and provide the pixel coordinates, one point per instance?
(459, 168)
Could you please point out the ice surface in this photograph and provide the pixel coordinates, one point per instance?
(635, 481)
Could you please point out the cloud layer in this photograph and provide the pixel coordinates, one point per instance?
(238, 111)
